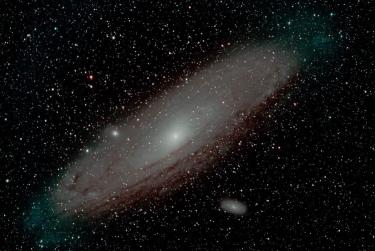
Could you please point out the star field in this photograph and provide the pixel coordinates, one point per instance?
(301, 178)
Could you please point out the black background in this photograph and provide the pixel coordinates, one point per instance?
(305, 171)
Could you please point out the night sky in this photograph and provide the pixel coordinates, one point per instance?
(305, 170)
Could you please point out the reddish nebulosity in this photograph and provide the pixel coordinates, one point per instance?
(90, 77)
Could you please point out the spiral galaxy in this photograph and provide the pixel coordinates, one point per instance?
(176, 135)
(192, 125)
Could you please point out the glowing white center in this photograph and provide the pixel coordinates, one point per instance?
(175, 136)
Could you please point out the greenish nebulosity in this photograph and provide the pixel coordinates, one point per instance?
(48, 228)
(312, 37)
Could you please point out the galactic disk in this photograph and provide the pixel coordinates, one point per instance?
(177, 135)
